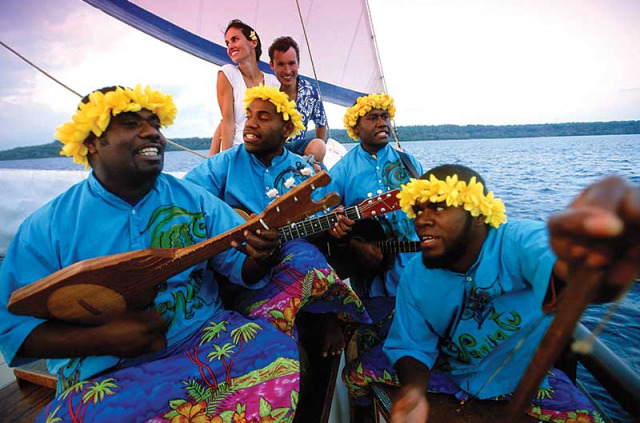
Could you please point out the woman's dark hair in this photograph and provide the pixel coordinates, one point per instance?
(246, 31)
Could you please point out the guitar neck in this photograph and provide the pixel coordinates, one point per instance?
(315, 225)
(394, 247)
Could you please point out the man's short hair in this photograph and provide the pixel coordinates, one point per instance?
(283, 44)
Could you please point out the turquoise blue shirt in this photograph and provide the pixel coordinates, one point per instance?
(88, 221)
(467, 324)
(244, 182)
(359, 175)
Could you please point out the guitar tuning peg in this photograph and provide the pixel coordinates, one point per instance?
(379, 191)
(369, 194)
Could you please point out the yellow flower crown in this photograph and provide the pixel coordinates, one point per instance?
(281, 101)
(454, 193)
(363, 106)
(95, 115)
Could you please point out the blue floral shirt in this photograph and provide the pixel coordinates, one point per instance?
(466, 324)
(359, 175)
(310, 106)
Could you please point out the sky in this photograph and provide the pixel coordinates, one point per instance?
(493, 62)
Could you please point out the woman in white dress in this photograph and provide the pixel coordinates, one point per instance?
(244, 48)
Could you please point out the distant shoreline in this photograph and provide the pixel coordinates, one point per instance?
(405, 133)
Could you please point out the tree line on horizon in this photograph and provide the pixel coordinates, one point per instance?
(405, 133)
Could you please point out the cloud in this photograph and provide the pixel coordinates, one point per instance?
(86, 49)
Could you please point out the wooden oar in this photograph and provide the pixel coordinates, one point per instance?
(95, 290)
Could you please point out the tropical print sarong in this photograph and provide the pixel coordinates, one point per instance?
(232, 370)
(367, 363)
(302, 281)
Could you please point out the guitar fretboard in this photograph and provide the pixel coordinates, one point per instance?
(315, 225)
(394, 247)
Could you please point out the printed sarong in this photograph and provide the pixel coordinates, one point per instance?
(231, 370)
(302, 281)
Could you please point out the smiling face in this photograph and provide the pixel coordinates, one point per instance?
(265, 132)
(130, 153)
(450, 237)
(373, 129)
(238, 46)
(285, 66)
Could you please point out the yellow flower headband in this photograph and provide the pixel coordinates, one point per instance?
(454, 193)
(281, 101)
(363, 106)
(95, 115)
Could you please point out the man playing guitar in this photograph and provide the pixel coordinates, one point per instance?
(371, 168)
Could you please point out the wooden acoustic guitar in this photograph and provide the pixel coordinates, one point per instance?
(95, 290)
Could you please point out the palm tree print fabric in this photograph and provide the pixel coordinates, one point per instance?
(232, 370)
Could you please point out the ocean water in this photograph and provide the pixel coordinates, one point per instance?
(534, 177)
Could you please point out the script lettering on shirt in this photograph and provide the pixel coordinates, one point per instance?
(469, 347)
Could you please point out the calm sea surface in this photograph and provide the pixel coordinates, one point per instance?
(534, 177)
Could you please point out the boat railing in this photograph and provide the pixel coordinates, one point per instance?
(621, 381)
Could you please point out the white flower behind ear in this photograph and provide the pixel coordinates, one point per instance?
(289, 182)
(272, 193)
(306, 171)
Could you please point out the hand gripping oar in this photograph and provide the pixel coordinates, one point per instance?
(95, 290)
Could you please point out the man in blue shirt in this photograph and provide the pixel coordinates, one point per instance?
(249, 177)
(136, 366)
(479, 289)
(284, 55)
(371, 168)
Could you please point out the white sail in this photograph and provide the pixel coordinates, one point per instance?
(339, 35)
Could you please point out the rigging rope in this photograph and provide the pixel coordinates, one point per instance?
(375, 45)
(382, 78)
(313, 64)
(38, 68)
(45, 73)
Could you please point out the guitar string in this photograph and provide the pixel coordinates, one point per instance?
(307, 224)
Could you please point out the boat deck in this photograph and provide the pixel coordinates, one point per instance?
(445, 408)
